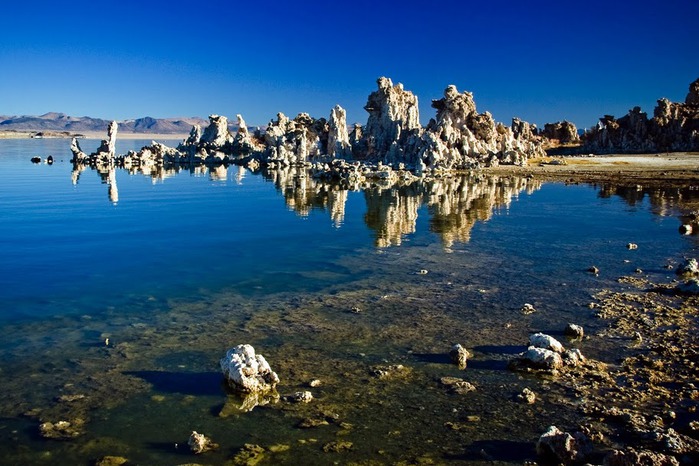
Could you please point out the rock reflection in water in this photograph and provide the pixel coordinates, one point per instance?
(304, 193)
(454, 204)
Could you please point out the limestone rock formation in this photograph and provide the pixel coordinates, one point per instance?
(104, 154)
(564, 132)
(216, 135)
(460, 137)
(295, 142)
(78, 155)
(243, 143)
(394, 118)
(338, 138)
(693, 94)
(674, 127)
(248, 372)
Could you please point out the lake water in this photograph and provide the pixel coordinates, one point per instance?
(327, 281)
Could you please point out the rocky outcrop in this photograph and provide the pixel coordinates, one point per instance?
(104, 154)
(562, 132)
(338, 138)
(216, 135)
(295, 142)
(460, 137)
(546, 353)
(394, 120)
(674, 127)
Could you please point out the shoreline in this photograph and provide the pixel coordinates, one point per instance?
(624, 168)
(88, 135)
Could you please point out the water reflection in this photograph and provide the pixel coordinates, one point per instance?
(454, 204)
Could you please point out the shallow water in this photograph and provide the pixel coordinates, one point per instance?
(176, 267)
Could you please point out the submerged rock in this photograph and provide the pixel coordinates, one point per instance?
(299, 397)
(62, 430)
(337, 447)
(457, 386)
(554, 444)
(112, 461)
(526, 396)
(249, 455)
(248, 372)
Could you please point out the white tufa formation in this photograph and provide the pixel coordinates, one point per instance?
(248, 372)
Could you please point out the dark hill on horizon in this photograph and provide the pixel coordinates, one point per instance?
(54, 121)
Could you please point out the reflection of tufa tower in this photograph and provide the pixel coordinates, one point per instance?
(303, 193)
(391, 213)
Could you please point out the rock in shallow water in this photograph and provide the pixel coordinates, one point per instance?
(459, 356)
(541, 340)
(199, 443)
(248, 372)
(575, 331)
(554, 444)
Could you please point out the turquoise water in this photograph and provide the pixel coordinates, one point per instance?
(175, 267)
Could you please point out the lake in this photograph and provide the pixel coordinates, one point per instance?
(121, 291)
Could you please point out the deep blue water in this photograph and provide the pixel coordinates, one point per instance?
(279, 259)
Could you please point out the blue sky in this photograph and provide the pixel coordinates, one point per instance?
(541, 61)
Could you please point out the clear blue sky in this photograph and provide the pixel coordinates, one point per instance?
(540, 61)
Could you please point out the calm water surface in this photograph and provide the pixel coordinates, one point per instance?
(175, 267)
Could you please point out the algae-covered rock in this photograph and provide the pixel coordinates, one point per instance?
(249, 455)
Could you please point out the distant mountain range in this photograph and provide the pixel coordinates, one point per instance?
(61, 122)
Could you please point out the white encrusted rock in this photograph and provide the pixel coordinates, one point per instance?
(689, 267)
(248, 372)
(541, 358)
(338, 138)
(216, 134)
(541, 340)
